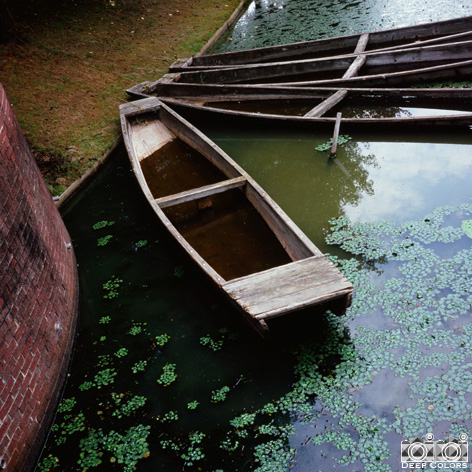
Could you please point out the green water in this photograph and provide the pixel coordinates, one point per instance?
(272, 22)
(325, 392)
(391, 176)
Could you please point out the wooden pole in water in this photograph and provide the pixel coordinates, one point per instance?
(335, 136)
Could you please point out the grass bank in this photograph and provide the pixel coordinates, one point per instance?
(65, 69)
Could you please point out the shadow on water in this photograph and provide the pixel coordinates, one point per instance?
(160, 291)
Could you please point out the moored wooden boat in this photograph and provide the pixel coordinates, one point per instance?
(405, 37)
(372, 107)
(354, 70)
(227, 224)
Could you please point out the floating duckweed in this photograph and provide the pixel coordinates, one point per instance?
(162, 340)
(168, 375)
(136, 329)
(214, 345)
(105, 377)
(193, 405)
(139, 366)
(122, 352)
(220, 394)
(273, 456)
(140, 243)
(105, 240)
(48, 463)
(104, 320)
(103, 224)
(112, 286)
(228, 445)
(168, 417)
(66, 405)
(130, 406)
(243, 420)
(342, 139)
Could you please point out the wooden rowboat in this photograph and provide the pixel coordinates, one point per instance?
(228, 225)
(412, 36)
(372, 107)
(384, 68)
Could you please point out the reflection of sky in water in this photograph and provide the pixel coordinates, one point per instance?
(267, 23)
(413, 178)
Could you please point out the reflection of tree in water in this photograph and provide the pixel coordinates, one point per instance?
(354, 179)
(371, 111)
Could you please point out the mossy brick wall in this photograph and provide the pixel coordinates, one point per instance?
(38, 300)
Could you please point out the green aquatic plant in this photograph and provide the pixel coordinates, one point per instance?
(70, 425)
(243, 420)
(467, 227)
(140, 366)
(161, 340)
(87, 385)
(193, 405)
(171, 444)
(104, 320)
(220, 394)
(136, 329)
(168, 417)
(214, 345)
(273, 456)
(104, 377)
(122, 352)
(105, 240)
(130, 406)
(103, 224)
(48, 463)
(141, 243)
(112, 286)
(67, 404)
(126, 449)
(342, 139)
(228, 445)
(168, 375)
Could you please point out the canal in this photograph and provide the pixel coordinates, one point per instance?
(166, 377)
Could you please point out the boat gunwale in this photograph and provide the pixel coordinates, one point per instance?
(426, 120)
(260, 72)
(272, 213)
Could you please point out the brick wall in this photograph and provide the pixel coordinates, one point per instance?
(38, 300)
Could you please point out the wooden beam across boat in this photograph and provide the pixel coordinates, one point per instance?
(225, 221)
(456, 29)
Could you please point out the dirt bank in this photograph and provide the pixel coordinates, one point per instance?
(65, 70)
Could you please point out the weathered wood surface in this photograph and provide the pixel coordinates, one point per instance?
(355, 67)
(200, 192)
(375, 63)
(337, 127)
(461, 70)
(226, 92)
(149, 137)
(327, 104)
(208, 112)
(137, 116)
(405, 37)
(291, 287)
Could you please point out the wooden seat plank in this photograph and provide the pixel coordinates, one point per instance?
(280, 290)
